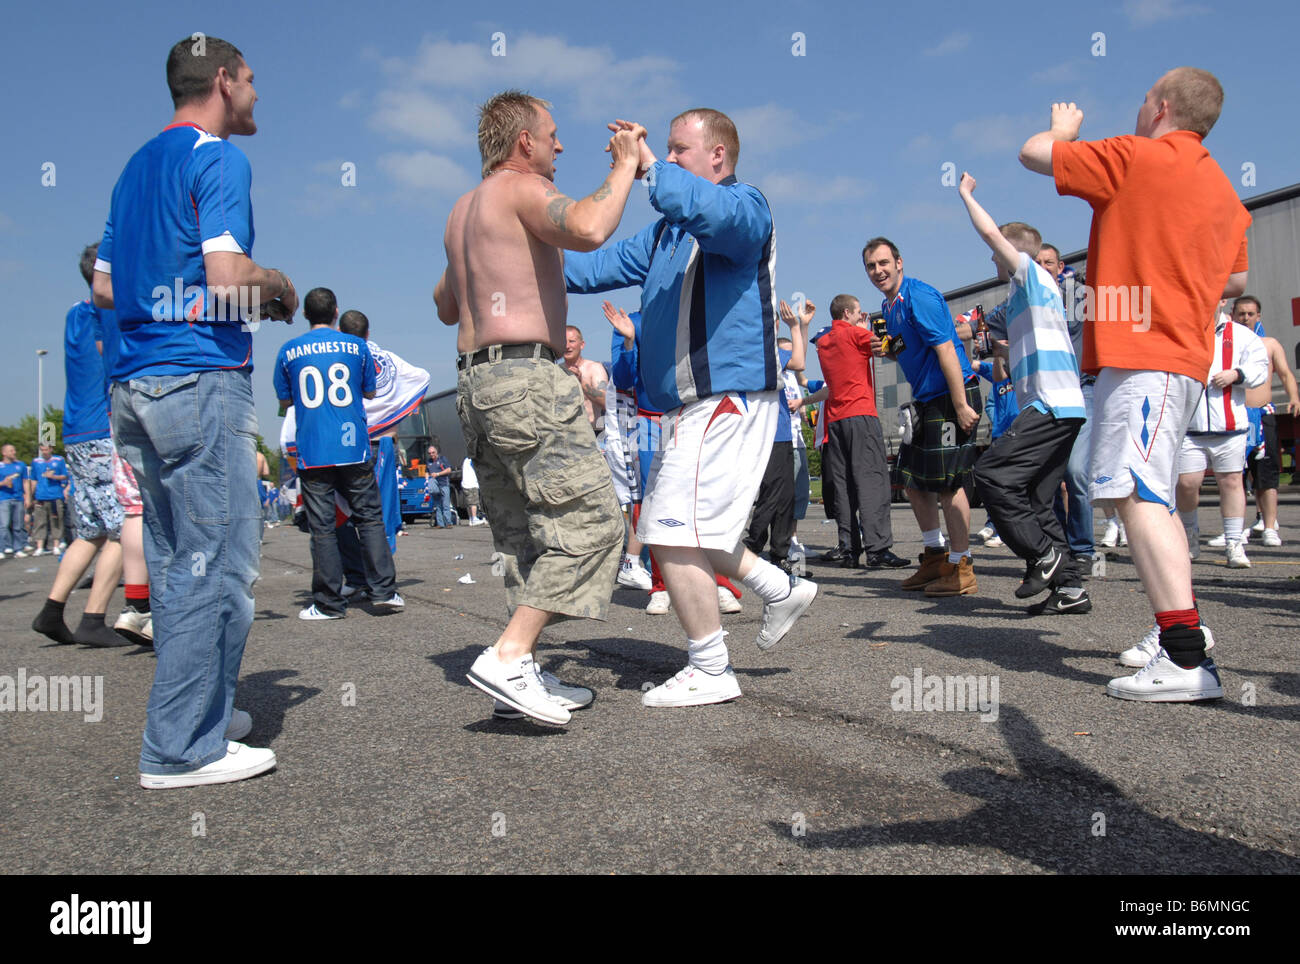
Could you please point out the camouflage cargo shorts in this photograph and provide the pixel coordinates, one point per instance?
(96, 511)
(544, 485)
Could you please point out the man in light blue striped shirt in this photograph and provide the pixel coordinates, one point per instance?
(1020, 474)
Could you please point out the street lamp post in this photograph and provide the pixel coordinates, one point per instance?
(40, 394)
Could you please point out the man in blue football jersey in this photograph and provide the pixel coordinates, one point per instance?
(324, 375)
(176, 264)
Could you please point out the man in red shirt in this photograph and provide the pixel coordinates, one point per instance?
(855, 448)
(1168, 240)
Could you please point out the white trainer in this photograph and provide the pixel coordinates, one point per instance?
(994, 541)
(632, 575)
(1271, 538)
(311, 612)
(727, 603)
(1237, 556)
(240, 725)
(1258, 526)
(239, 763)
(517, 684)
(985, 534)
(694, 687)
(1147, 647)
(659, 603)
(1218, 542)
(392, 602)
(570, 697)
(138, 627)
(1123, 535)
(1111, 536)
(1164, 681)
(778, 617)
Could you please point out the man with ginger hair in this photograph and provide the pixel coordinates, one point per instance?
(708, 361)
(546, 488)
(1166, 221)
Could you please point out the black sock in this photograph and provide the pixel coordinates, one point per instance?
(49, 622)
(93, 632)
(1184, 644)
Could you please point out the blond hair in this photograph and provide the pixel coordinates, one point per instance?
(499, 122)
(1023, 237)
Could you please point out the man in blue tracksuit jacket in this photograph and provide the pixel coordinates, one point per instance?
(708, 360)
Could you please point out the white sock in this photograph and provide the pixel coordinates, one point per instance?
(631, 560)
(709, 655)
(956, 557)
(769, 582)
(932, 538)
(1232, 529)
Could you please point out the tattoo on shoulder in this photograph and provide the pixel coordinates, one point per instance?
(558, 212)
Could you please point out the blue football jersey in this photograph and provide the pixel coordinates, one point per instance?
(85, 402)
(183, 195)
(326, 374)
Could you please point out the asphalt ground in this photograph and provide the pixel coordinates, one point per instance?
(390, 762)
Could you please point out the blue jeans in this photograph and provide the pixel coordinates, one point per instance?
(13, 528)
(191, 440)
(1078, 522)
(442, 513)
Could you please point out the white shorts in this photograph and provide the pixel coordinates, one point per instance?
(1139, 420)
(1220, 452)
(707, 470)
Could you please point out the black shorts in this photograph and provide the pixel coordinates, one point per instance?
(940, 456)
(1264, 471)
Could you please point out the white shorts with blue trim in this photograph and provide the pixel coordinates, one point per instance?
(1139, 421)
(706, 473)
(1222, 452)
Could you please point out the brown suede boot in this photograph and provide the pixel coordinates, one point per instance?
(955, 580)
(931, 561)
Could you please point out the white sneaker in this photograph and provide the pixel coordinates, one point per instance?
(778, 617)
(478, 522)
(797, 550)
(1123, 535)
(39, 552)
(311, 612)
(659, 603)
(138, 627)
(632, 575)
(240, 725)
(994, 541)
(517, 684)
(20, 554)
(694, 687)
(239, 763)
(1164, 681)
(1111, 536)
(1258, 526)
(392, 602)
(1218, 542)
(570, 697)
(1146, 649)
(1237, 556)
(985, 534)
(1271, 538)
(727, 603)
(1245, 537)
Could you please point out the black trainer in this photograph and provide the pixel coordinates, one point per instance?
(884, 559)
(1061, 601)
(833, 555)
(1039, 575)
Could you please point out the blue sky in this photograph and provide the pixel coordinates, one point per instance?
(847, 141)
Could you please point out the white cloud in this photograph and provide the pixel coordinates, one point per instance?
(350, 100)
(1142, 13)
(427, 172)
(1067, 71)
(996, 133)
(950, 44)
(772, 129)
(921, 142)
(6, 222)
(809, 189)
(420, 117)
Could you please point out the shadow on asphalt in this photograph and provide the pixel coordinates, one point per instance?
(1050, 820)
(268, 699)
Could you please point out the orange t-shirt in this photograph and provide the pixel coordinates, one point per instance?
(1167, 231)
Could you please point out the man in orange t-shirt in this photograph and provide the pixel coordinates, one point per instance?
(1168, 240)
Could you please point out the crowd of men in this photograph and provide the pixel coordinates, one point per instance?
(699, 412)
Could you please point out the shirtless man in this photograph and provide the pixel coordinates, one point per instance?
(1264, 471)
(555, 519)
(590, 374)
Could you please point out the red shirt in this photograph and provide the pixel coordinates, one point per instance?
(847, 362)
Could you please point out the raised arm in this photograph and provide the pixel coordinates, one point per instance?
(1036, 154)
(986, 227)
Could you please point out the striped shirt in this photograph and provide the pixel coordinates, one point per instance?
(1043, 365)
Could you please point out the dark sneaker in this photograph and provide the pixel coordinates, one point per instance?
(885, 559)
(1063, 601)
(1039, 575)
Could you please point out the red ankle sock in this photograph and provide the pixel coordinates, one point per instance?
(1178, 617)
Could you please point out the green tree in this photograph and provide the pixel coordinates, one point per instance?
(23, 436)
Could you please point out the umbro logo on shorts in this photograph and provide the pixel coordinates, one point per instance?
(669, 522)
(1103, 480)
